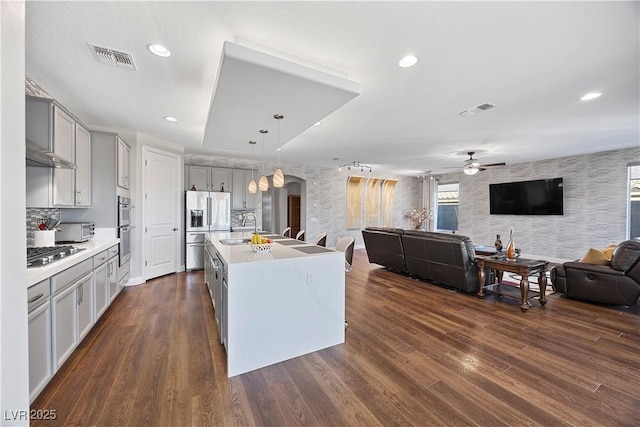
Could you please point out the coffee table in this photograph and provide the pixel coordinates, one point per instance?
(521, 266)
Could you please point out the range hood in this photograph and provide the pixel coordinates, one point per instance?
(37, 156)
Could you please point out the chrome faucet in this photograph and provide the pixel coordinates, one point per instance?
(255, 221)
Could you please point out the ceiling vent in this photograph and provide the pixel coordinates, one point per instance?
(113, 57)
(477, 109)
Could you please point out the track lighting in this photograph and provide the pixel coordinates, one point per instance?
(355, 165)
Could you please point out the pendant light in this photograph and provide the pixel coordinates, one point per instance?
(263, 184)
(253, 187)
(278, 176)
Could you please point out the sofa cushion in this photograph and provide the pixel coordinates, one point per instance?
(386, 229)
(626, 255)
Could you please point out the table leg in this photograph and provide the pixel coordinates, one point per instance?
(524, 293)
(542, 283)
(481, 277)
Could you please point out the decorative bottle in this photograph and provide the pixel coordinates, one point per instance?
(511, 246)
(222, 186)
(498, 243)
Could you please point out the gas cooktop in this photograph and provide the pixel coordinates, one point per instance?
(37, 257)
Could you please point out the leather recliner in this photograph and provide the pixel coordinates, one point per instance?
(384, 247)
(617, 283)
(445, 259)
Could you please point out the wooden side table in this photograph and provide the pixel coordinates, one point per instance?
(520, 266)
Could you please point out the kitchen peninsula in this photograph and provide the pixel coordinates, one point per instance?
(276, 305)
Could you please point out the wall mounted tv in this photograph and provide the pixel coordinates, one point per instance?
(538, 197)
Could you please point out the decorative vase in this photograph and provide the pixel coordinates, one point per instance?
(498, 243)
(511, 246)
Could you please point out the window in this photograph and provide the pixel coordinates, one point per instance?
(634, 201)
(447, 203)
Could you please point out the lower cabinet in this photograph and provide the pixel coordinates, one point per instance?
(101, 282)
(112, 271)
(85, 304)
(40, 359)
(65, 325)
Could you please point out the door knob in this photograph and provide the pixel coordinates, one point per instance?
(175, 229)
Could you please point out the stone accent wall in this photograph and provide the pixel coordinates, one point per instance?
(595, 204)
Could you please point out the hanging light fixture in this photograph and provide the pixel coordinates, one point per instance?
(253, 187)
(263, 183)
(278, 176)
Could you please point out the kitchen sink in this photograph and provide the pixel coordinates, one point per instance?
(230, 242)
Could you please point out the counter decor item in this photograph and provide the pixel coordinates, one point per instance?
(511, 246)
(498, 243)
(261, 247)
(418, 217)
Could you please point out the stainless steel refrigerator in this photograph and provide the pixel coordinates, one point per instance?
(206, 211)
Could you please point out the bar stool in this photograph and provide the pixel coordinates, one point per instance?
(321, 240)
(286, 232)
(300, 235)
(345, 244)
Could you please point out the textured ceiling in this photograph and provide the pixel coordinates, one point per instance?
(532, 59)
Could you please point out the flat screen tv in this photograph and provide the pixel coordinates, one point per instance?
(538, 197)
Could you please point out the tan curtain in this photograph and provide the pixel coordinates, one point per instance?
(388, 192)
(354, 201)
(372, 203)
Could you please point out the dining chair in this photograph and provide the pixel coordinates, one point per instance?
(321, 240)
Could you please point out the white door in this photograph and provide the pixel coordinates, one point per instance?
(161, 212)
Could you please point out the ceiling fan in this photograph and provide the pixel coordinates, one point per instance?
(472, 166)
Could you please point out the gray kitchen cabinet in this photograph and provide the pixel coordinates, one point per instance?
(101, 282)
(206, 178)
(54, 129)
(112, 272)
(72, 309)
(83, 163)
(40, 357)
(85, 304)
(123, 163)
(65, 321)
(240, 196)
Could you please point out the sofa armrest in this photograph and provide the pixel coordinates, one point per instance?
(592, 268)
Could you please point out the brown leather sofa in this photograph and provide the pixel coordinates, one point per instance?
(384, 247)
(440, 258)
(617, 283)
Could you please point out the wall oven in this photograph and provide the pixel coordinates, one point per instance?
(124, 228)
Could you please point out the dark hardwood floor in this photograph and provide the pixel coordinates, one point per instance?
(415, 354)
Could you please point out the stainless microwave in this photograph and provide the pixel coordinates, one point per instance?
(75, 232)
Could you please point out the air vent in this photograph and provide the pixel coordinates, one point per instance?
(113, 57)
(477, 109)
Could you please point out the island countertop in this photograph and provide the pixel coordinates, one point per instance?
(283, 248)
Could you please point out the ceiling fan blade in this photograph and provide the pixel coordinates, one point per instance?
(493, 164)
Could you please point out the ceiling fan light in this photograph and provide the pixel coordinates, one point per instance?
(470, 169)
(263, 184)
(278, 178)
(253, 187)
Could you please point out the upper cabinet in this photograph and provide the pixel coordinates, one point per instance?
(240, 196)
(123, 164)
(54, 129)
(206, 178)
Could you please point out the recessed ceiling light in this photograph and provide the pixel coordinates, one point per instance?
(158, 49)
(591, 95)
(408, 61)
(318, 123)
(170, 119)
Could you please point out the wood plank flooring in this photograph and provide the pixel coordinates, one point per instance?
(415, 354)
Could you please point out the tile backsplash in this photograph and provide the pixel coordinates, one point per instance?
(34, 217)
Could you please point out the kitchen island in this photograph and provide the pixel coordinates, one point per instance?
(276, 305)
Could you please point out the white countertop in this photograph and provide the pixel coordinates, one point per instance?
(235, 254)
(92, 247)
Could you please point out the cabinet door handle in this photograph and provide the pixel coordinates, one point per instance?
(36, 298)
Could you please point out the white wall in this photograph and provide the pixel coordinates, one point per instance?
(595, 203)
(14, 365)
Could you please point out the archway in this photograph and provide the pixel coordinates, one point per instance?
(276, 203)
